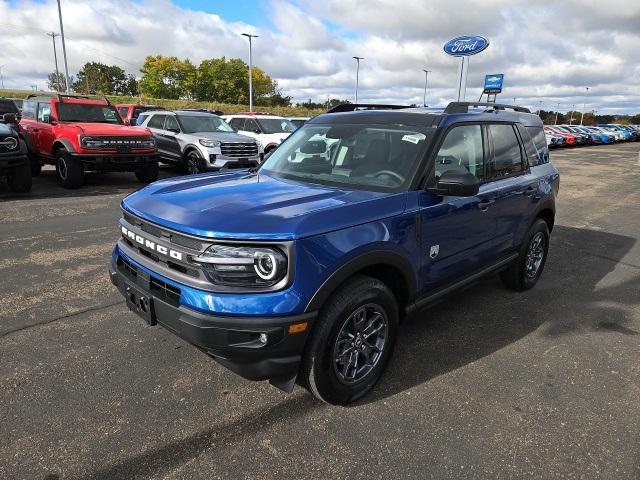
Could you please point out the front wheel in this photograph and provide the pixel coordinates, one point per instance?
(352, 342)
(19, 179)
(149, 173)
(525, 272)
(194, 163)
(69, 171)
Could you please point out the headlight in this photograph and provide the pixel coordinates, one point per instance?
(10, 143)
(205, 142)
(244, 266)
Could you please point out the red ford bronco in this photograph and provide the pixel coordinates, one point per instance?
(77, 133)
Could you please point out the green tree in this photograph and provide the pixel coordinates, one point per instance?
(167, 77)
(131, 86)
(55, 82)
(98, 78)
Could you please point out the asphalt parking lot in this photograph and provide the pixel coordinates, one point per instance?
(488, 384)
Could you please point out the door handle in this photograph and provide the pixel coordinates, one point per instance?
(35, 129)
(485, 204)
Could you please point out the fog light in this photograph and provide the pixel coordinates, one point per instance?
(263, 338)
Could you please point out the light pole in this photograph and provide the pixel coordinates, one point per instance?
(249, 36)
(357, 59)
(53, 36)
(573, 107)
(1, 76)
(64, 52)
(584, 106)
(557, 110)
(539, 107)
(426, 79)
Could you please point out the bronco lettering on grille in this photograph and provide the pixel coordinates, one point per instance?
(146, 243)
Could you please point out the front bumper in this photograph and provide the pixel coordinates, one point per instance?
(220, 162)
(235, 342)
(11, 161)
(115, 161)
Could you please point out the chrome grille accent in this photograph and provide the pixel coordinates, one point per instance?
(229, 149)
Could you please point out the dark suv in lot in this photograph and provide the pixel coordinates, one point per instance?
(77, 133)
(303, 269)
(14, 163)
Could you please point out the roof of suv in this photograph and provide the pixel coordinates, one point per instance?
(455, 112)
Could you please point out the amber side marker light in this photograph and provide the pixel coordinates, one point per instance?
(298, 327)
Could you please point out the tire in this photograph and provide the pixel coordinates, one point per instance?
(338, 382)
(19, 179)
(194, 163)
(525, 272)
(36, 166)
(149, 173)
(69, 171)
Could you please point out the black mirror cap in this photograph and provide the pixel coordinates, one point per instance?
(458, 183)
(10, 118)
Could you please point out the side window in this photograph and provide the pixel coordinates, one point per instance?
(462, 149)
(171, 123)
(531, 151)
(157, 121)
(43, 110)
(540, 141)
(123, 111)
(29, 110)
(507, 156)
(250, 125)
(237, 123)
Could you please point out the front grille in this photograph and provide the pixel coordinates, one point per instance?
(121, 143)
(159, 288)
(166, 292)
(237, 150)
(164, 234)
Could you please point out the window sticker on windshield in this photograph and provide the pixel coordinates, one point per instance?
(415, 138)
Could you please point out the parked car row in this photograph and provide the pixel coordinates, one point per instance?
(578, 135)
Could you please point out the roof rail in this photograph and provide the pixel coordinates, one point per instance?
(463, 107)
(62, 96)
(350, 107)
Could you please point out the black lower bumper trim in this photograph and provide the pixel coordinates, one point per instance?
(256, 348)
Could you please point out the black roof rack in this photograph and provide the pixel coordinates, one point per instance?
(350, 107)
(62, 96)
(463, 107)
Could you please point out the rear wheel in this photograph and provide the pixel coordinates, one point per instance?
(69, 171)
(19, 179)
(352, 342)
(525, 272)
(194, 163)
(148, 173)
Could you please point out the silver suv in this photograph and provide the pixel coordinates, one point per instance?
(200, 141)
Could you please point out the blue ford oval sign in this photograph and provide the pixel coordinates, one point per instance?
(465, 45)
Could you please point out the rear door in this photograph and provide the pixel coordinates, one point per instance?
(458, 232)
(514, 184)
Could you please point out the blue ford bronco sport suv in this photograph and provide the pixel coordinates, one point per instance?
(301, 270)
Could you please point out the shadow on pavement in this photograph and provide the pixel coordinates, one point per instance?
(484, 318)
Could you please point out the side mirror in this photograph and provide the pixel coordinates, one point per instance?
(9, 118)
(48, 119)
(257, 130)
(458, 183)
(174, 130)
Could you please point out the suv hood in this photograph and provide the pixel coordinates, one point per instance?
(109, 129)
(223, 136)
(239, 205)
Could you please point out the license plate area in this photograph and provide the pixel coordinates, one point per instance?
(140, 303)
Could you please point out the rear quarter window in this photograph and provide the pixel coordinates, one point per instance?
(539, 140)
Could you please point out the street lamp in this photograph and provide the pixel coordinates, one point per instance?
(1, 76)
(573, 107)
(426, 79)
(584, 106)
(64, 52)
(557, 110)
(249, 36)
(357, 59)
(53, 36)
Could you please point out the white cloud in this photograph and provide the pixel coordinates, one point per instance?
(549, 51)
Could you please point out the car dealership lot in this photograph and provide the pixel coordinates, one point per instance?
(490, 383)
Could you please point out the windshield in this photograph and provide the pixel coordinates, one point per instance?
(275, 125)
(367, 157)
(203, 123)
(87, 113)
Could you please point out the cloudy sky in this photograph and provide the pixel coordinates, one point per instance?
(549, 51)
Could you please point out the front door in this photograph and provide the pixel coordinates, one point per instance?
(458, 233)
(170, 139)
(43, 130)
